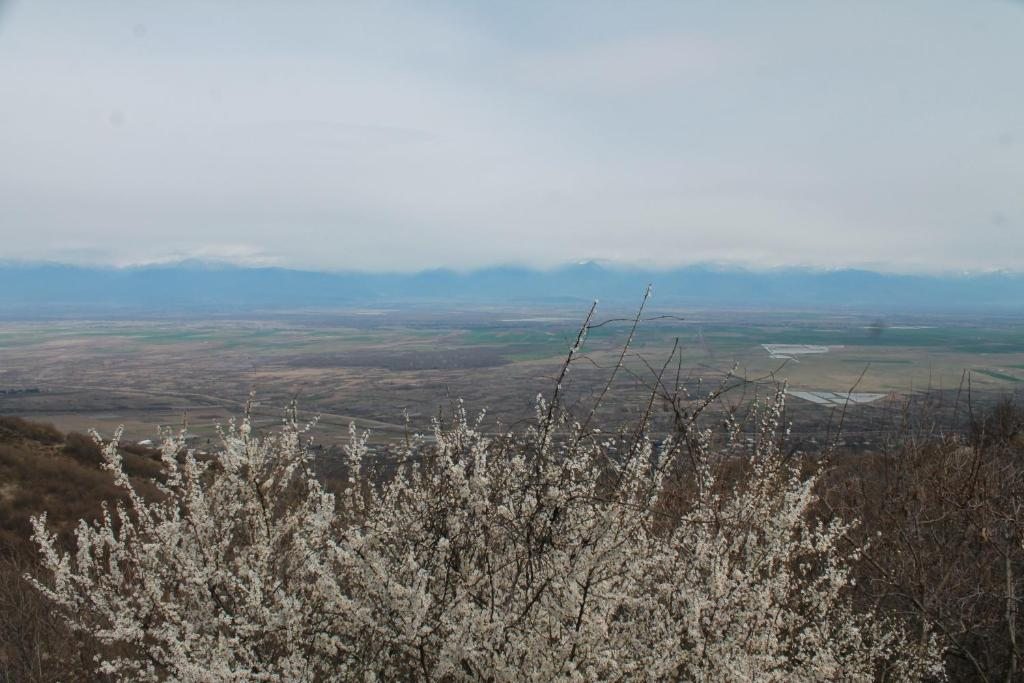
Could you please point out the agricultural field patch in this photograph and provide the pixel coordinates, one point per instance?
(834, 398)
(996, 374)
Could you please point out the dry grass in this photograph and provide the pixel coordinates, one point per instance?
(41, 469)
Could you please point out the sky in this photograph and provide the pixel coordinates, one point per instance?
(404, 136)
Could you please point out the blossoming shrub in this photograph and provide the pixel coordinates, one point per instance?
(547, 554)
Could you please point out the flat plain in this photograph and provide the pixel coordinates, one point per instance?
(391, 371)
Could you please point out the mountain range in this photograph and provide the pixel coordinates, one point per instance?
(30, 290)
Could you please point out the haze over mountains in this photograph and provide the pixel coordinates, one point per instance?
(31, 290)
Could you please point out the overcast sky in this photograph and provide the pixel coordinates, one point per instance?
(402, 136)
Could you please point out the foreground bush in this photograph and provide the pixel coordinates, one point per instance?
(552, 554)
(951, 554)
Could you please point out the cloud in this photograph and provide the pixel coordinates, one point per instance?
(236, 254)
(627, 66)
(378, 136)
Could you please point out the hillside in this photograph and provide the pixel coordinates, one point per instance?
(42, 469)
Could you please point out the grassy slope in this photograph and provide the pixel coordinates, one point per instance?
(42, 469)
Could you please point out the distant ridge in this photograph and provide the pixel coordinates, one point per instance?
(29, 290)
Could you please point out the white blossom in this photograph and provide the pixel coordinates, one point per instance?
(541, 556)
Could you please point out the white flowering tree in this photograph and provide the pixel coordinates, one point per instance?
(481, 558)
(555, 553)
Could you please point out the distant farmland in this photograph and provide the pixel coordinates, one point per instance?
(380, 367)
